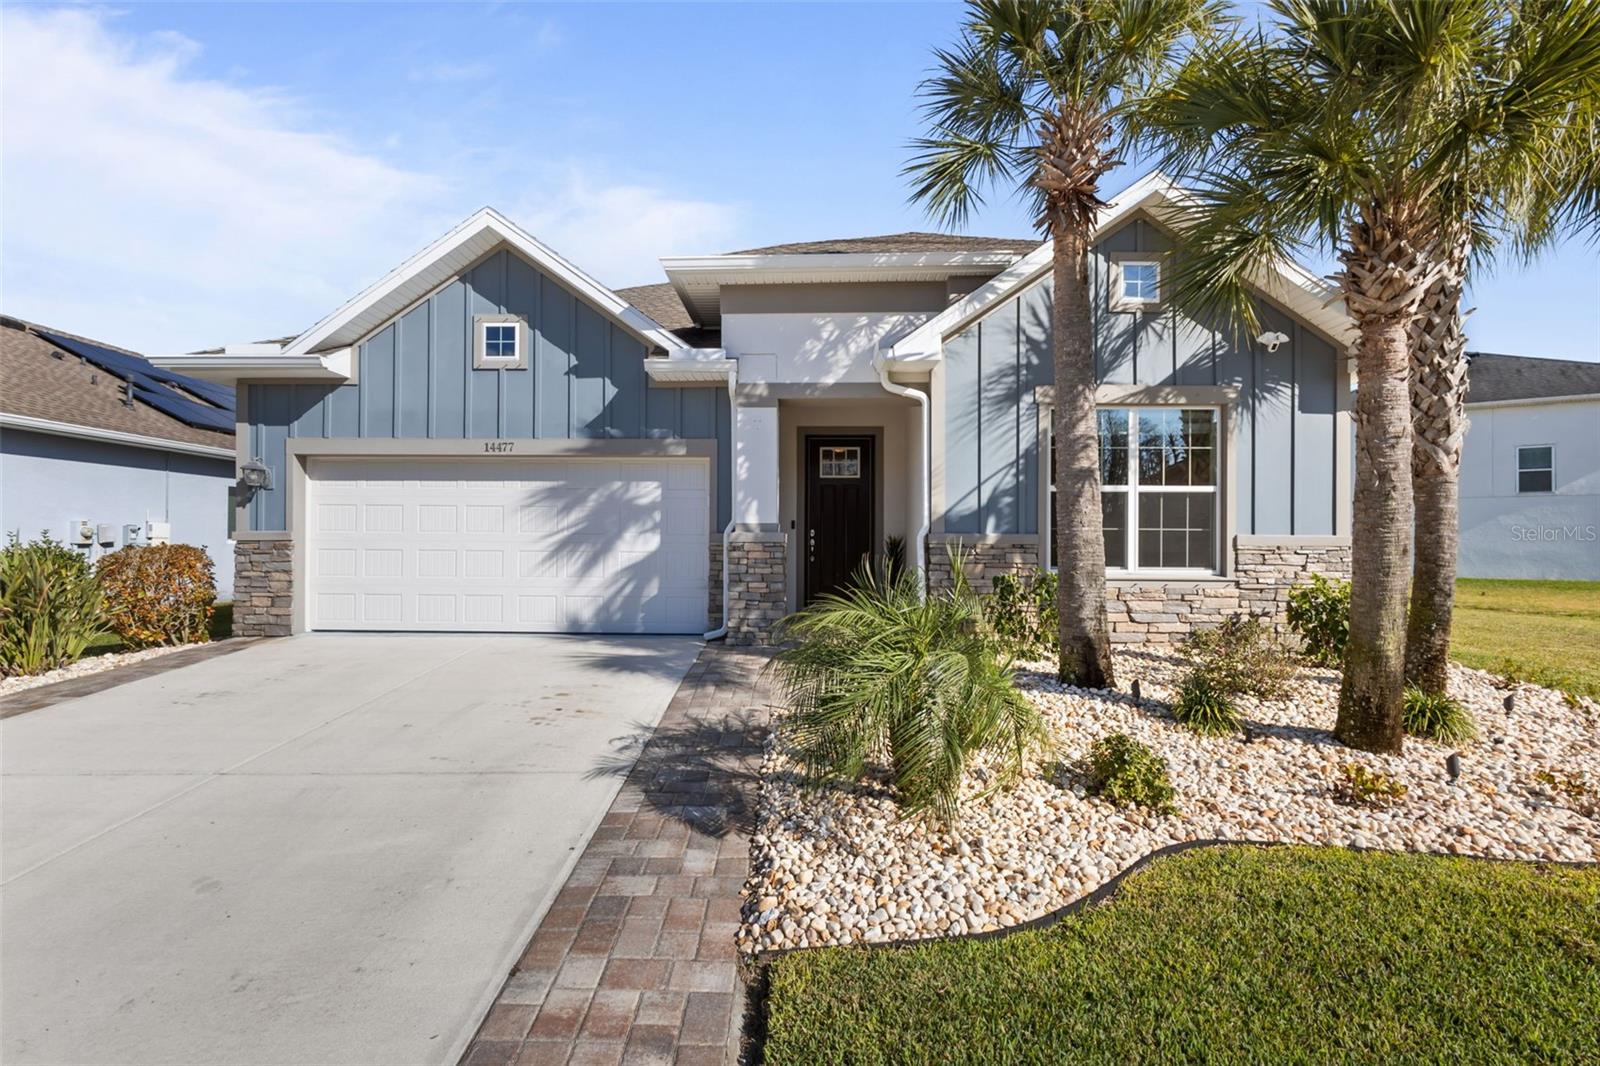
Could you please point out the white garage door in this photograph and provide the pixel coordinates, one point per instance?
(508, 545)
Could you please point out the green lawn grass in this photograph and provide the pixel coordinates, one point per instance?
(1238, 954)
(1547, 632)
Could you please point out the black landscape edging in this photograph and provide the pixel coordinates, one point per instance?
(759, 965)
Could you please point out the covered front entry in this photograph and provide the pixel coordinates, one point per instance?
(840, 529)
(501, 544)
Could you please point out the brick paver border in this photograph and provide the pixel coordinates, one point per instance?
(42, 696)
(635, 962)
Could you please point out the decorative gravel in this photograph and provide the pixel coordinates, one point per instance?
(83, 667)
(838, 867)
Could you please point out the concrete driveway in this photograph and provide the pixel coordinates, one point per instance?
(327, 849)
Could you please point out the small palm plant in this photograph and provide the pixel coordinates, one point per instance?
(882, 674)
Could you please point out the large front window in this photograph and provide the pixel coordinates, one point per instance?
(1158, 488)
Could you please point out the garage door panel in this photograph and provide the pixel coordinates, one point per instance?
(546, 545)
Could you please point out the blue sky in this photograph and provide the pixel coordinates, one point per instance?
(181, 175)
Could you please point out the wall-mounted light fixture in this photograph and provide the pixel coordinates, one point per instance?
(1271, 339)
(255, 475)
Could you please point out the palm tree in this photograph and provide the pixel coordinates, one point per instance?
(1035, 96)
(1530, 177)
(1342, 125)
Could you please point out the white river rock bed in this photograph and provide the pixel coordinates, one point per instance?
(838, 867)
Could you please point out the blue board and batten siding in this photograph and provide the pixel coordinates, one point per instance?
(585, 378)
(1285, 432)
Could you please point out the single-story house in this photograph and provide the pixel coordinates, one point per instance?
(1530, 469)
(101, 450)
(488, 439)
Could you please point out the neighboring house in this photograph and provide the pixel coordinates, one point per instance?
(488, 439)
(101, 449)
(1530, 471)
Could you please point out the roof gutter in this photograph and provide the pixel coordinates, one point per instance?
(337, 367)
(109, 436)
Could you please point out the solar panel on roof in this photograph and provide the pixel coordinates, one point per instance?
(207, 406)
(195, 414)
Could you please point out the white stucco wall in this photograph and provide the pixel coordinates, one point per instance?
(48, 482)
(1535, 535)
(755, 466)
(816, 347)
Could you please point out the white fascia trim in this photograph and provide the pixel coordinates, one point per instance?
(698, 279)
(1289, 282)
(488, 219)
(336, 366)
(1529, 401)
(711, 368)
(110, 436)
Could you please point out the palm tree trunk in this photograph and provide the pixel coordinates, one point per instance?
(1370, 699)
(1384, 279)
(1081, 561)
(1438, 426)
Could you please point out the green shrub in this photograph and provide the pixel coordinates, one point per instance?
(1437, 717)
(880, 672)
(1022, 613)
(1241, 657)
(1319, 613)
(1359, 787)
(1128, 774)
(1204, 706)
(161, 594)
(50, 606)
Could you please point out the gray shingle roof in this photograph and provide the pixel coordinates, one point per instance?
(40, 380)
(1492, 377)
(901, 242)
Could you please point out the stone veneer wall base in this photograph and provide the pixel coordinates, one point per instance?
(1161, 612)
(758, 596)
(263, 588)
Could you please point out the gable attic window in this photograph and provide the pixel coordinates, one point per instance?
(498, 342)
(1135, 284)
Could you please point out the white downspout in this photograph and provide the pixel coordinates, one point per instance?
(733, 427)
(924, 478)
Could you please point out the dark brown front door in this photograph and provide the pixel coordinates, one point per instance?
(839, 511)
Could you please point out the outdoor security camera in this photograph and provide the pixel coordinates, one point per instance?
(1271, 340)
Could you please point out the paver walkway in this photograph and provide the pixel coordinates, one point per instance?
(635, 961)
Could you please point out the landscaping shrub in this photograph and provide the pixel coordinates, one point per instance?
(50, 606)
(1437, 717)
(1022, 613)
(1319, 613)
(1241, 657)
(880, 672)
(1204, 706)
(1127, 773)
(1359, 787)
(161, 594)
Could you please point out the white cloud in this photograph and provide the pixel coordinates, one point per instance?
(616, 232)
(157, 209)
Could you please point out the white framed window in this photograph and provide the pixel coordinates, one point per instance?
(1159, 501)
(499, 342)
(839, 463)
(1536, 468)
(1135, 284)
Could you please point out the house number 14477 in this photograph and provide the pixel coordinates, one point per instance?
(499, 445)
